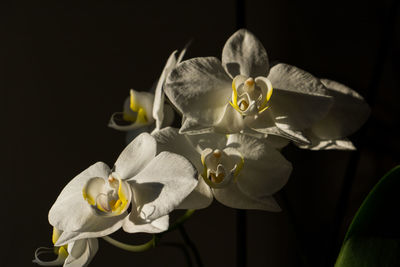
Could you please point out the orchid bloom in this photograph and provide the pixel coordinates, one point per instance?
(143, 109)
(238, 170)
(242, 93)
(95, 203)
(348, 112)
(76, 253)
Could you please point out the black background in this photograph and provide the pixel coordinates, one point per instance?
(65, 67)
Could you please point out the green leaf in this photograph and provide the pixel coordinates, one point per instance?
(373, 238)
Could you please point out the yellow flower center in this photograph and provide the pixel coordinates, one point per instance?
(250, 96)
(108, 197)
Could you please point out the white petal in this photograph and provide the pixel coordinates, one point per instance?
(231, 122)
(249, 147)
(68, 237)
(244, 54)
(135, 224)
(169, 139)
(201, 197)
(81, 252)
(336, 144)
(208, 140)
(191, 126)
(132, 134)
(296, 136)
(349, 111)
(276, 142)
(169, 116)
(163, 184)
(200, 89)
(264, 176)
(231, 196)
(136, 156)
(299, 99)
(158, 106)
(71, 212)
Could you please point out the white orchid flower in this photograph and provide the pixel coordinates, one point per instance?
(76, 253)
(95, 203)
(145, 109)
(348, 112)
(239, 171)
(242, 92)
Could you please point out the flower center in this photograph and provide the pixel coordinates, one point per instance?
(250, 96)
(109, 197)
(219, 167)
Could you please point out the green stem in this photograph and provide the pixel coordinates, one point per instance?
(132, 248)
(180, 221)
(191, 245)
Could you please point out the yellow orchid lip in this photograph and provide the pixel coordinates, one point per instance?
(141, 116)
(254, 96)
(63, 250)
(109, 197)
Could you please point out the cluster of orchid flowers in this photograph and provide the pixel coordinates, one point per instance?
(236, 113)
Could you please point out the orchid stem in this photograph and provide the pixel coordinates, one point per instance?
(132, 248)
(191, 245)
(180, 220)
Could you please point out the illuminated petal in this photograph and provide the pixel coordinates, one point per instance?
(299, 99)
(136, 156)
(136, 224)
(231, 121)
(335, 144)
(81, 252)
(244, 54)
(296, 136)
(263, 123)
(200, 89)
(201, 197)
(266, 87)
(231, 196)
(191, 126)
(349, 111)
(168, 139)
(163, 184)
(158, 107)
(249, 147)
(82, 219)
(265, 170)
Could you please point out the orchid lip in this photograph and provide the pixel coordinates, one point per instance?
(250, 96)
(219, 168)
(109, 197)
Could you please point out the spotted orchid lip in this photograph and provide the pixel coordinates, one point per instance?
(250, 96)
(219, 168)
